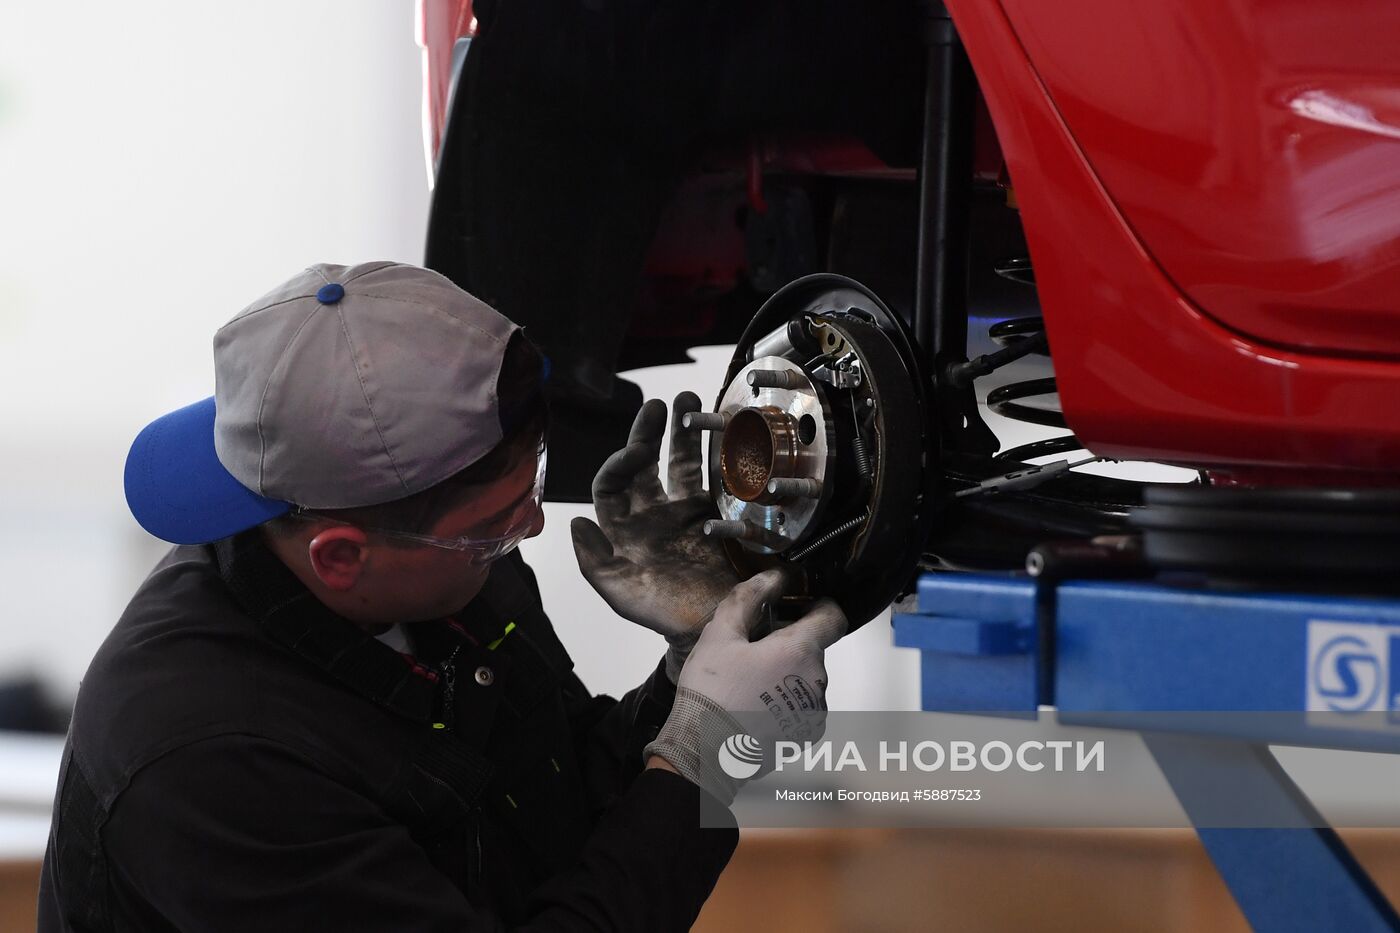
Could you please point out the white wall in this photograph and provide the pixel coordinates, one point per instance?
(162, 164)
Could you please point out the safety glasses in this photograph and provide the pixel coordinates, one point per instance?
(479, 550)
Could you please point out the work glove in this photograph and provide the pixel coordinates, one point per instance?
(649, 559)
(783, 673)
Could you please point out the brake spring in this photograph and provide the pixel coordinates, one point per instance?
(862, 458)
(858, 444)
(826, 537)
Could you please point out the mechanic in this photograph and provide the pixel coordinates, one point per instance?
(339, 705)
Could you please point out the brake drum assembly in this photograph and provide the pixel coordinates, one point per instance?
(819, 445)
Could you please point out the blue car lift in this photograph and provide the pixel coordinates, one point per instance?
(1118, 654)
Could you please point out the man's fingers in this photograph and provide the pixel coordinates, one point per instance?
(684, 474)
(613, 483)
(648, 428)
(823, 624)
(590, 544)
(650, 424)
(597, 559)
(738, 614)
(616, 474)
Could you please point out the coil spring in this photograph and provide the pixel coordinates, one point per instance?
(830, 535)
(858, 449)
(1005, 400)
(862, 457)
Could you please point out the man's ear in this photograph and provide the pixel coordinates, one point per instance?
(338, 556)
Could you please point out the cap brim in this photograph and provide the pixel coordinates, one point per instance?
(177, 488)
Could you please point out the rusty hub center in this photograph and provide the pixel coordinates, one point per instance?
(759, 444)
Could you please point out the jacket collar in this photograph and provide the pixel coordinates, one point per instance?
(283, 607)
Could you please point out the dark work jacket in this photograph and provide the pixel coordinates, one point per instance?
(241, 758)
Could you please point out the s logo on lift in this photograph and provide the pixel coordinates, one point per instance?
(1353, 668)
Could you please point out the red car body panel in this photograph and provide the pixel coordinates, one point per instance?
(1144, 370)
(1253, 146)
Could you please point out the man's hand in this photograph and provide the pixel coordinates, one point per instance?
(649, 559)
(777, 684)
(785, 668)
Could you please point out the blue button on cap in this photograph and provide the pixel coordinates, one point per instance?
(330, 294)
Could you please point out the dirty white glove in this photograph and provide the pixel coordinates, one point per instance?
(649, 559)
(782, 674)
